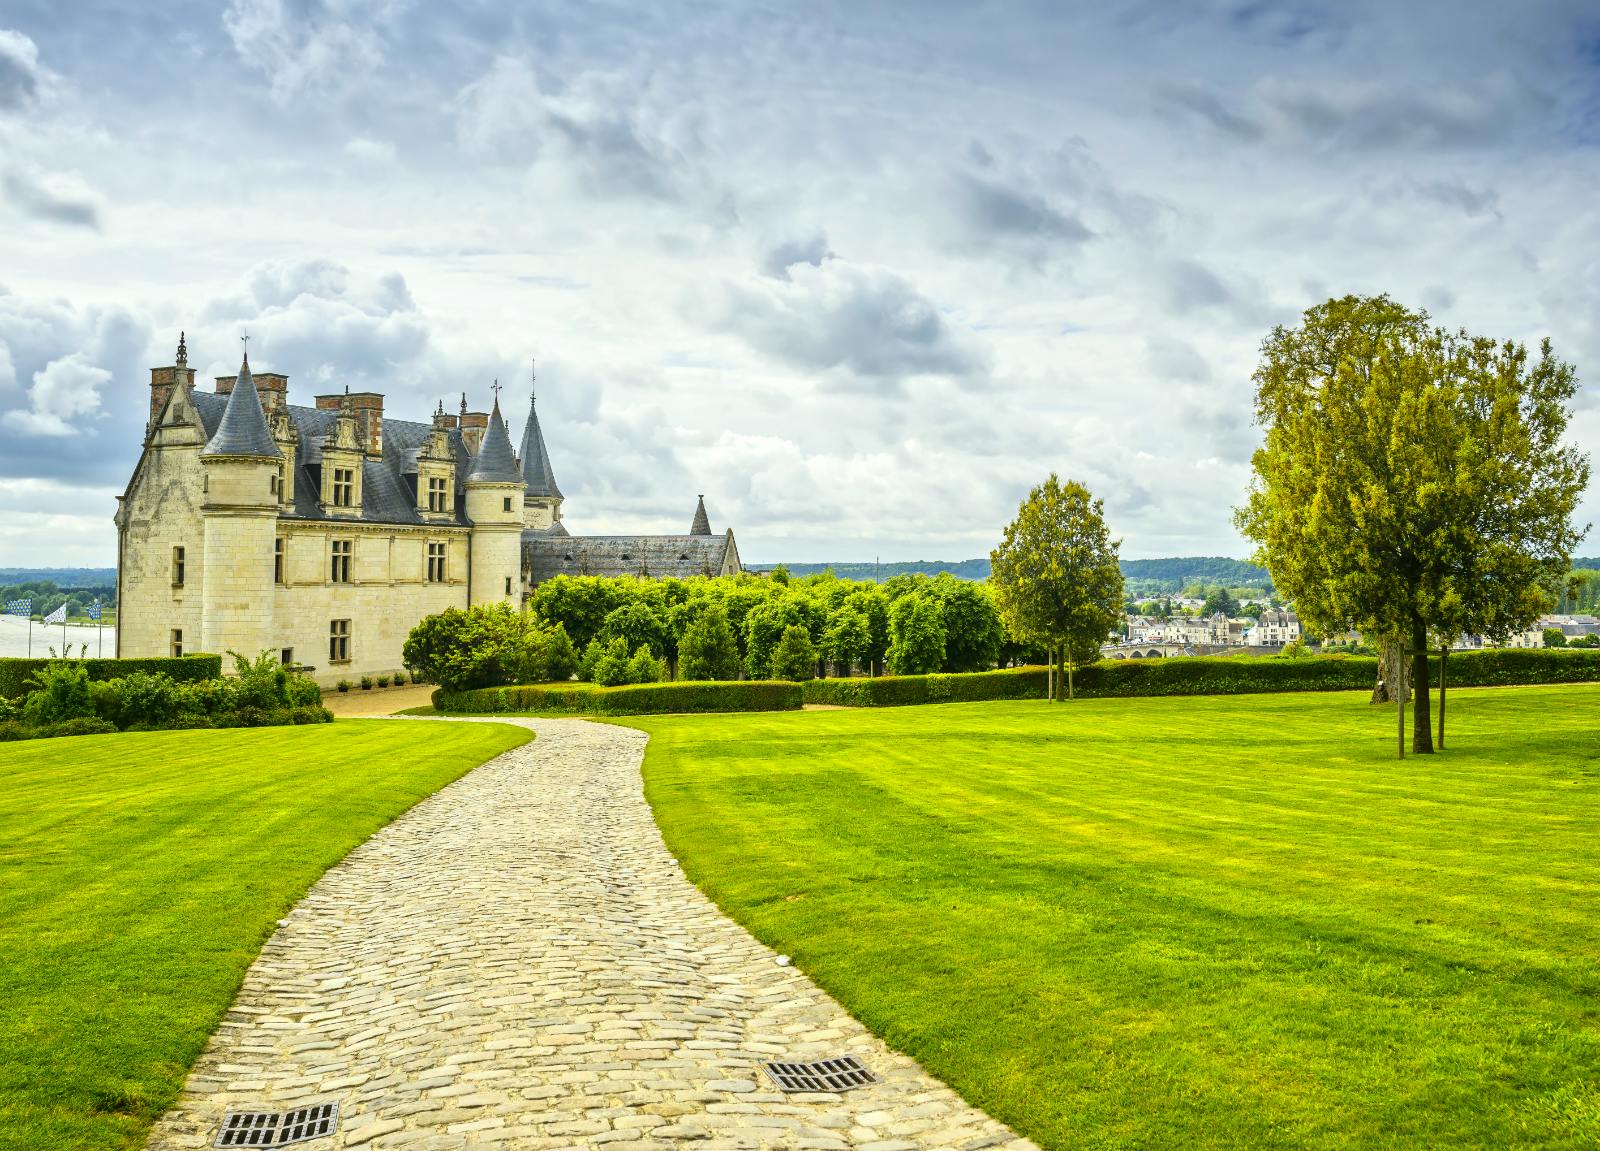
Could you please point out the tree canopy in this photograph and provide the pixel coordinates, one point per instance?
(1055, 574)
(1413, 482)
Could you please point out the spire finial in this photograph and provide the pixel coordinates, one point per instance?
(463, 403)
(533, 383)
(244, 338)
(183, 351)
(495, 388)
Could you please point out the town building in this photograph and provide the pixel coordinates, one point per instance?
(324, 534)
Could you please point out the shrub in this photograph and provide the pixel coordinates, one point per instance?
(82, 725)
(399, 679)
(142, 697)
(314, 713)
(561, 659)
(383, 681)
(345, 685)
(303, 692)
(15, 672)
(709, 649)
(590, 660)
(611, 669)
(366, 683)
(639, 699)
(57, 692)
(646, 668)
(916, 635)
(795, 657)
(12, 730)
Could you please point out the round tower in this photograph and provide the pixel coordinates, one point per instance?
(240, 514)
(494, 491)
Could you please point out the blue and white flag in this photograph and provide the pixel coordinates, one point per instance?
(94, 611)
(19, 607)
(57, 616)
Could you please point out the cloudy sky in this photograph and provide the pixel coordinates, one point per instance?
(860, 272)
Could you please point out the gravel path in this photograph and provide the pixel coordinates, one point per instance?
(519, 962)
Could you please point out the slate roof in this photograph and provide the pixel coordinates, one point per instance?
(388, 485)
(702, 522)
(545, 556)
(495, 462)
(242, 427)
(536, 471)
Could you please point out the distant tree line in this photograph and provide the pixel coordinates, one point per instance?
(47, 596)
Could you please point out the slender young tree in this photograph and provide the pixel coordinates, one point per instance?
(1413, 482)
(1056, 577)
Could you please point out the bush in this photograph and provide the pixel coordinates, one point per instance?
(12, 730)
(383, 681)
(366, 683)
(611, 669)
(561, 659)
(82, 725)
(795, 657)
(57, 692)
(143, 697)
(640, 699)
(303, 692)
(646, 668)
(399, 679)
(345, 685)
(15, 672)
(709, 649)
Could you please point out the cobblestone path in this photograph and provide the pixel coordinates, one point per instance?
(519, 962)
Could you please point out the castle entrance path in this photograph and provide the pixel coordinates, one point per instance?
(519, 962)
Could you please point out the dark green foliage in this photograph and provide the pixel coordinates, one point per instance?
(708, 649)
(561, 661)
(483, 645)
(971, 624)
(764, 627)
(1554, 637)
(14, 671)
(637, 624)
(795, 657)
(639, 699)
(645, 668)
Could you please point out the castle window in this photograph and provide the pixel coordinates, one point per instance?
(344, 487)
(177, 567)
(277, 560)
(342, 550)
(339, 641)
(177, 642)
(436, 494)
(436, 563)
(272, 483)
(286, 656)
(508, 503)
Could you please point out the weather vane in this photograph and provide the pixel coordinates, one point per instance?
(495, 388)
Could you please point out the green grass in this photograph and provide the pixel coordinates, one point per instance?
(1215, 922)
(140, 875)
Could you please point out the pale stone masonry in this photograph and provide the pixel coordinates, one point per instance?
(520, 963)
(323, 534)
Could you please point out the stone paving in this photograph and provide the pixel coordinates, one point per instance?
(520, 963)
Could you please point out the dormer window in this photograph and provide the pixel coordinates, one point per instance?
(438, 494)
(344, 487)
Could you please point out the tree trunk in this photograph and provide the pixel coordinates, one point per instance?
(1444, 654)
(1050, 676)
(1061, 670)
(1400, 720)
(1069, 664)
(1393, 677)
(1421, 721)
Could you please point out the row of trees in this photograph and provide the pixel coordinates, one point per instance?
(47, 596)
(616, 630)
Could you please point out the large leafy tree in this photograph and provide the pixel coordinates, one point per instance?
(1055, 575)
(1413, 483)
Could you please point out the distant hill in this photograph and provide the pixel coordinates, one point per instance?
(1145, 577)
(61, 577)
(1589, 563)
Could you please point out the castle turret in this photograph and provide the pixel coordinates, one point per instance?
(494, 491)
(240, 509)
(702, 522)
(542, 502)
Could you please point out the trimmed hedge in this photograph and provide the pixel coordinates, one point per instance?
(1495, 667)
(16, 670)
(634, 699)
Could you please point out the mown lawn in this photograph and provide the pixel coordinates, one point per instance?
(140, 875)
(1183, 923)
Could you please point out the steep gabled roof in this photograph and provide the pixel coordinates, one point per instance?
(544, 556)
(495, 463)
(243, 429)
(536, 471)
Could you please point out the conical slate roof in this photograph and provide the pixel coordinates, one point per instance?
(536, 471)
(702, 522)
(243, 430)
(494, 463)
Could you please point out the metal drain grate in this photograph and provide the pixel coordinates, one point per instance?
(277, 1128)
(821, 1075)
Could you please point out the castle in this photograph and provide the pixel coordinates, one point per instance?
(323, 534)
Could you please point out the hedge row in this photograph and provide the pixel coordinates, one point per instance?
(1203, 676)
(12, 731)
(635, 699)
(15, 671)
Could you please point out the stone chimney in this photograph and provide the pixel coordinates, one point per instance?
(273, 388)
(474, 426)
(163, 380)
(367, 407)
